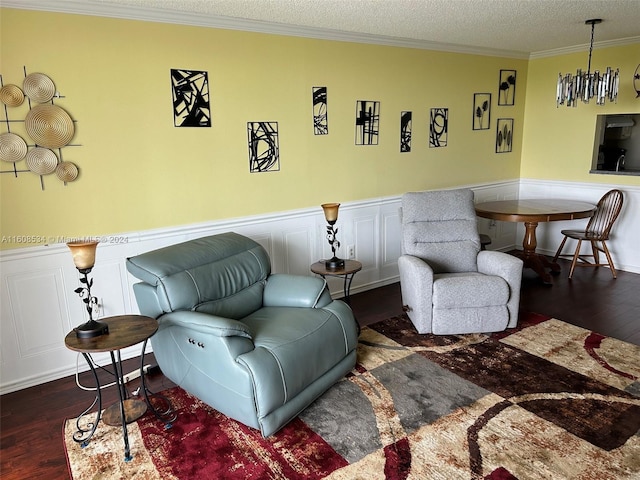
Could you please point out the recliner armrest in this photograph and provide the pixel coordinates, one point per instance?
(284, 290)
(416, 284)
(418, 273)
(499, 263)
(206, 323)
(508, 267)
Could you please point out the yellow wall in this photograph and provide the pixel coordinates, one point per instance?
(138, 171)
(558, 142)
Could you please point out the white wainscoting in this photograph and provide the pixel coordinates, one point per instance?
(39, 306)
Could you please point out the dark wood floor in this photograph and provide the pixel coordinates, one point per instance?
(32, 419)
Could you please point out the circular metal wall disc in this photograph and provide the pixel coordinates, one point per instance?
(49, 126)
(39, 87)
(13, 148)
(67, 171)
(11, 95)
(42, 161)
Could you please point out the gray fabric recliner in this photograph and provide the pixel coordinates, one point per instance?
(448, 285)
(257, 347)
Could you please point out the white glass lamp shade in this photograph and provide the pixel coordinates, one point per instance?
(330, 212)
(84, 254)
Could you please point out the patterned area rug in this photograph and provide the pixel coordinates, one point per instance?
(547, 400)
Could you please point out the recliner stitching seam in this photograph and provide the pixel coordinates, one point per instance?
(195, 285)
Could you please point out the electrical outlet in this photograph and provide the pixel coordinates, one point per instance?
(351, 252)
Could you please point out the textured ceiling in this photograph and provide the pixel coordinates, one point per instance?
(525, 26)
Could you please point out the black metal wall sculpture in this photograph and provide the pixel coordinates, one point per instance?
(438, 127)
(190, 89)
(481, 111)
(507, 87)
(264, 152)
(320, 119)
(504, 135)
(367, 122)
(405, 132)
(636, 81)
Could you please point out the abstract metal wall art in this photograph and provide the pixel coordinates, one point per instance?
(405, 132)
(320, 119)
(190, 90)
(48, 130)
(438, 127)
(507, 87)
(481, 111)
(264, 152)
(367, 122)
(504, 135)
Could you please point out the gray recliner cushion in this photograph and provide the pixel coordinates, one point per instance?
(469, 291)
(447, 239)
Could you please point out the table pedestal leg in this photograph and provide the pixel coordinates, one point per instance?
(538, 263)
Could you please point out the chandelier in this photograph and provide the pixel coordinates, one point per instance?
(587, 85)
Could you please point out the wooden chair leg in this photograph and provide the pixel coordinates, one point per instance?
(575, 258)
(596, 252)
(606, 252)
(559, 251)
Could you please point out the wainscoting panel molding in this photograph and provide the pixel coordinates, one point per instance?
(37, 295)
(38, 305)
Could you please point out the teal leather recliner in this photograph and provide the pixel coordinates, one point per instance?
(257, 347)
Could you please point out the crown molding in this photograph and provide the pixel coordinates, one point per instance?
(585, 47)
(99, 9)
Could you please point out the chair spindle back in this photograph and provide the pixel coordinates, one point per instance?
(607, 212)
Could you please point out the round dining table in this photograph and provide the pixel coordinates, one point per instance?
(531, 212)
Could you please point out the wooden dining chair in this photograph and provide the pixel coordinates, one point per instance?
(596, 233)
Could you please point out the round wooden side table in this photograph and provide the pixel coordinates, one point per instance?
(124, 331)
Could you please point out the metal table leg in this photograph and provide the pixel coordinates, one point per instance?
(158, 404)
(84, 434)
(117, 365)
(348, 278)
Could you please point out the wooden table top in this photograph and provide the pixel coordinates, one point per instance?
(124, 331)
(535, 210)
(350, 266)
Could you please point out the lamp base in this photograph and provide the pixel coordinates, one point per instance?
(91, 329)
(334, 263)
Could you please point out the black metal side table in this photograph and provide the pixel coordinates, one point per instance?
(124, 331)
